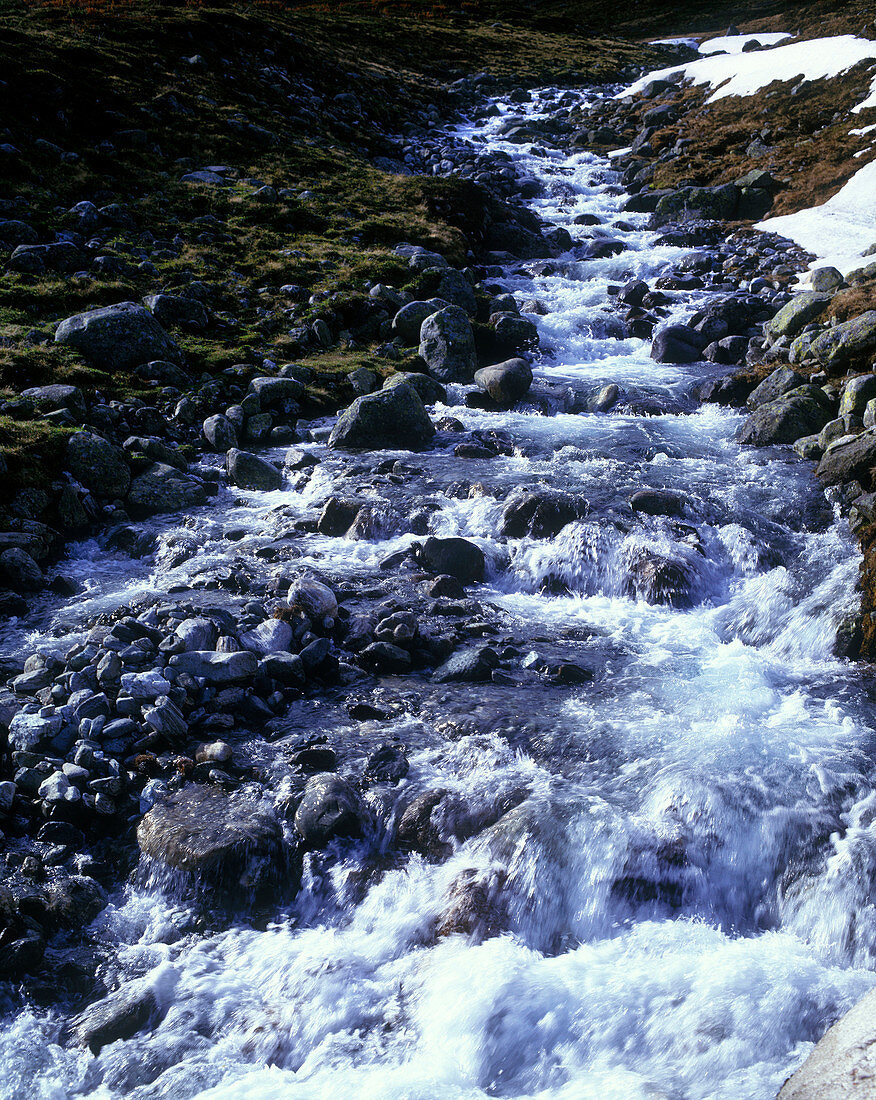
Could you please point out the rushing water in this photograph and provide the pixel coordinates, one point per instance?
(684, 891)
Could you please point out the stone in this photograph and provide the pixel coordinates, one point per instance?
(198, 633)
(174, 311)
(678, 344)
(48, 399)
(274, 392)
(231, 844)
(7, 796)
(393, 417)
(98, 465)
(330, 809)
(514, 334)
(123, 1014)
(387, 764)
(315, 599)
(796, 314)
(406, 324)
(429, 388)
(698, 203)
(270, 636)
(845, 342)
(456, 290)
(163, 488)
(19, 571)
(774, 386)
(801, 412)
(857, 392)
(167, 720)
(248, 471)
(541, 513)
(849, 461)
(842, 1065)
(454, 557)
(505, 382)
(363, 381)
(217, 668)
(220, 433)
(145, 685)
(30, 731)
(118, 337)
(657, 502)
(468, 665)
(286, 668)
(447, 345)
(826, 279)
(382, 656)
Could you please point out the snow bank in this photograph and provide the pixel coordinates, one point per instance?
(735, 43)
(745, 74)
(839, 231)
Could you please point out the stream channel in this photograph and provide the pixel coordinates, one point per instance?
(681, 889)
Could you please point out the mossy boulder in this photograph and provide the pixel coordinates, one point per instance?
(118, 337)
(392, 417)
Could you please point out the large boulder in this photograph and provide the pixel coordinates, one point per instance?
(505, 382)
(857, 392)
(774, 386)
(796, 314)
(174, 311)
(803, 411)
(843, 1064)
(228, 843)
(541, 512)
(849, 461)
(217, 667)
(447, 345)
(845, 342)
(125, 1012)
(453, 557)
(163, 488)
(393, 417)
(248, 471)
(98, 465)
(408, 321)
(53, 398)
(118, 337)
(429, 388)
(696, 203)
(678, 344)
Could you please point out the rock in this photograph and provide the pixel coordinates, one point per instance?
(857, 392)
(393, 417)
(167, 720)
(678, 344)
(270, 636)
(117, 337)
(19, 571)
(803, 411)
(387, 764)
(363, 381)
(849, 461)
(220, 433)
(658, 579)
(454, 557)
(98, 465)
(217, 668)
(286, 668)
(198, 633)
(796, 314)
(468, 665)
(277, 392)
(336, 516)
(168, 374)
(846, 341)
(657, 502)
(145, 685)
(174, 311)
(230, 843)
(330, 808)
(429, 388)
(774, 386)
(162, 488)
(30, 731)
(48, 399)
(698, 203)
(124, 1013)
(315, 599)
(826, 279)
(447, 345)
(408, 321)
(383, 656)
(842, 1066)
(541, 513)
(505, 382)
(248, 471)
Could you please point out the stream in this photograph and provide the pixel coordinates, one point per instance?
(677, 900)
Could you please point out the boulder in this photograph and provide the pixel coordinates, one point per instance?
(454, 557)
(796, 314)
(505, 382)
(849, 461)
(19, 571)
(447, 345)
(122, 1014)
(541, 513)
(803, 411)
(678, 344)
(315, 599)
(838, 346)
(48, 399)
(857, 392)
(408, 321)
(270, 636)
(217, 668)
(174, 311)
(657, 502)
(429, 388)
(467, 666)
(514, 334)
(393, 417)
(697, 203)
(274, 392)
(248, 471)
(456, 290)
(774, 386)
(118, 337)
(826, 279)
(98, 465)
(198, 633)
(330, 808)
(163, 488)
(230, 843)
(842, 1066)
(220, 433)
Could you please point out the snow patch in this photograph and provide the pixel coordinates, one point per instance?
(735, 43)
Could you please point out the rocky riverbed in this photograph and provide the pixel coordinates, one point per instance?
(518, 685)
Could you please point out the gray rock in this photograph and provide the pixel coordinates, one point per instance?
(775, 385)
(657, 502)
(53, 398)
(796, 314)
(408, 321)
(394, 417)
(505, 382)
(145, 685)
(167, 720)
(174, 311)
(850, 461)
(286, 668)
(315, 599)
(248, 471)
(19, 571)
(270, 636)
(363, 381)
(117, 337)
(801, 412)
(826, 279)
(540, 512)
(456, 290)
(330, 808)
(230, 843)
(698, 203)
(842, 1066)
(29, 731)
(467, 666)
(846, 341)
(217, 668)
(122, 1014)
(454, 557)
(857, 392)
(273, 392)
(220, 433)
(162, 488)
(98, 465)
(678, 344)
(429, 388)
(447, 345)
(514, 334)
(197, 634)
(7, 796)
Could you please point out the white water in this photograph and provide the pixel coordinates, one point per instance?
(686, 887)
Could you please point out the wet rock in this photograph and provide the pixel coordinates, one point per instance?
(337, 515)
(248, 471)
(387, 764)
(849, 461)
(217, 668)
(286, 668)
(123, 1014)
(467, 666)
(409, 320)
(678, 344)
(842, 1066)
(117, 337)
(98, 465)
(330, 809)
(541, 513)
(447, 345)
(454, 557)
(505, 382)
(393, 417)
(475, 905)
(801, 412)
(20, 571)
(315, 599)
(230, 843)
(846, 342)
(658, 579)
(162, 488)
(657, 502)
(384, 657)
(270, 636)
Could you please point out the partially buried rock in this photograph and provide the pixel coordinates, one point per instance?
(248, 471)
(330, 808)
(657, 502)
(117, 337)
(392, 417)
(505, 382)
(231, 843)
(469, 665)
